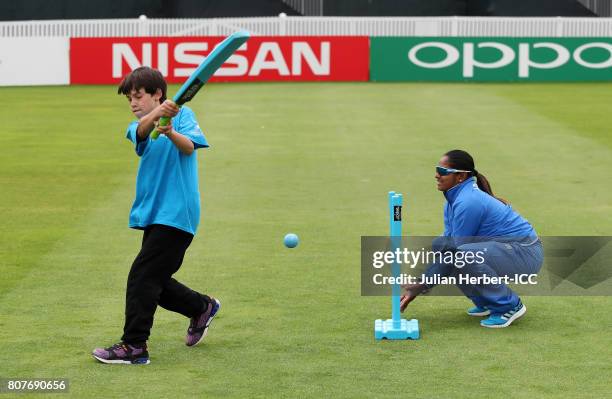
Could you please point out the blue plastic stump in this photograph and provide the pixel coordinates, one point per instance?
(395, 327)
(387, 329)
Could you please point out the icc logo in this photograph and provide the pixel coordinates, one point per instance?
(397, 213)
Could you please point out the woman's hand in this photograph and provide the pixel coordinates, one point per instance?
(412, 291)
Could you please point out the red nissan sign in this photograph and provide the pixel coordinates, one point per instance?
(285, 58)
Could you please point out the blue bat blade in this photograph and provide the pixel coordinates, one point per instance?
(211, 63)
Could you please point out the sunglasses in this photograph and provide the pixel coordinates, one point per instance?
(442, 171)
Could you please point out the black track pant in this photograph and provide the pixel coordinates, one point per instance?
(150, 282)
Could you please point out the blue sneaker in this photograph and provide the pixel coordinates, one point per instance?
(478, 311)
(504, 320)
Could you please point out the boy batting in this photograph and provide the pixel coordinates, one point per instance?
(167, 209)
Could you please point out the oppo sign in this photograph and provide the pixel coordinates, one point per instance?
(491, 58)
(507, 55)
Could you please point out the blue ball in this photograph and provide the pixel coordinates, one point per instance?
(291, 240)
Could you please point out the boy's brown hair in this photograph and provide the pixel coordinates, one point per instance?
(146, 78)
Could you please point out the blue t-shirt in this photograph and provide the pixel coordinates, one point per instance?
(470, 212)
(167, 183)
(471, 215)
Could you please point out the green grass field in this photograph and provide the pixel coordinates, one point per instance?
(317, 160)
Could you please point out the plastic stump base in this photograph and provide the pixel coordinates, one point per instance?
(407, 329)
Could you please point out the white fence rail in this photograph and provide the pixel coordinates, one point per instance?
(315, 26)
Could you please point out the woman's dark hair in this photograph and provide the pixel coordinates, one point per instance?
(459, 159)
(146, 78)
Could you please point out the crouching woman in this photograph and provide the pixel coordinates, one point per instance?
(477, 225)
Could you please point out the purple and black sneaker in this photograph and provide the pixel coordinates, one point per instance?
(198, 327)
(122, 353)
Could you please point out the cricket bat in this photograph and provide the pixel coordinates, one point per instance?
(205, 71)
